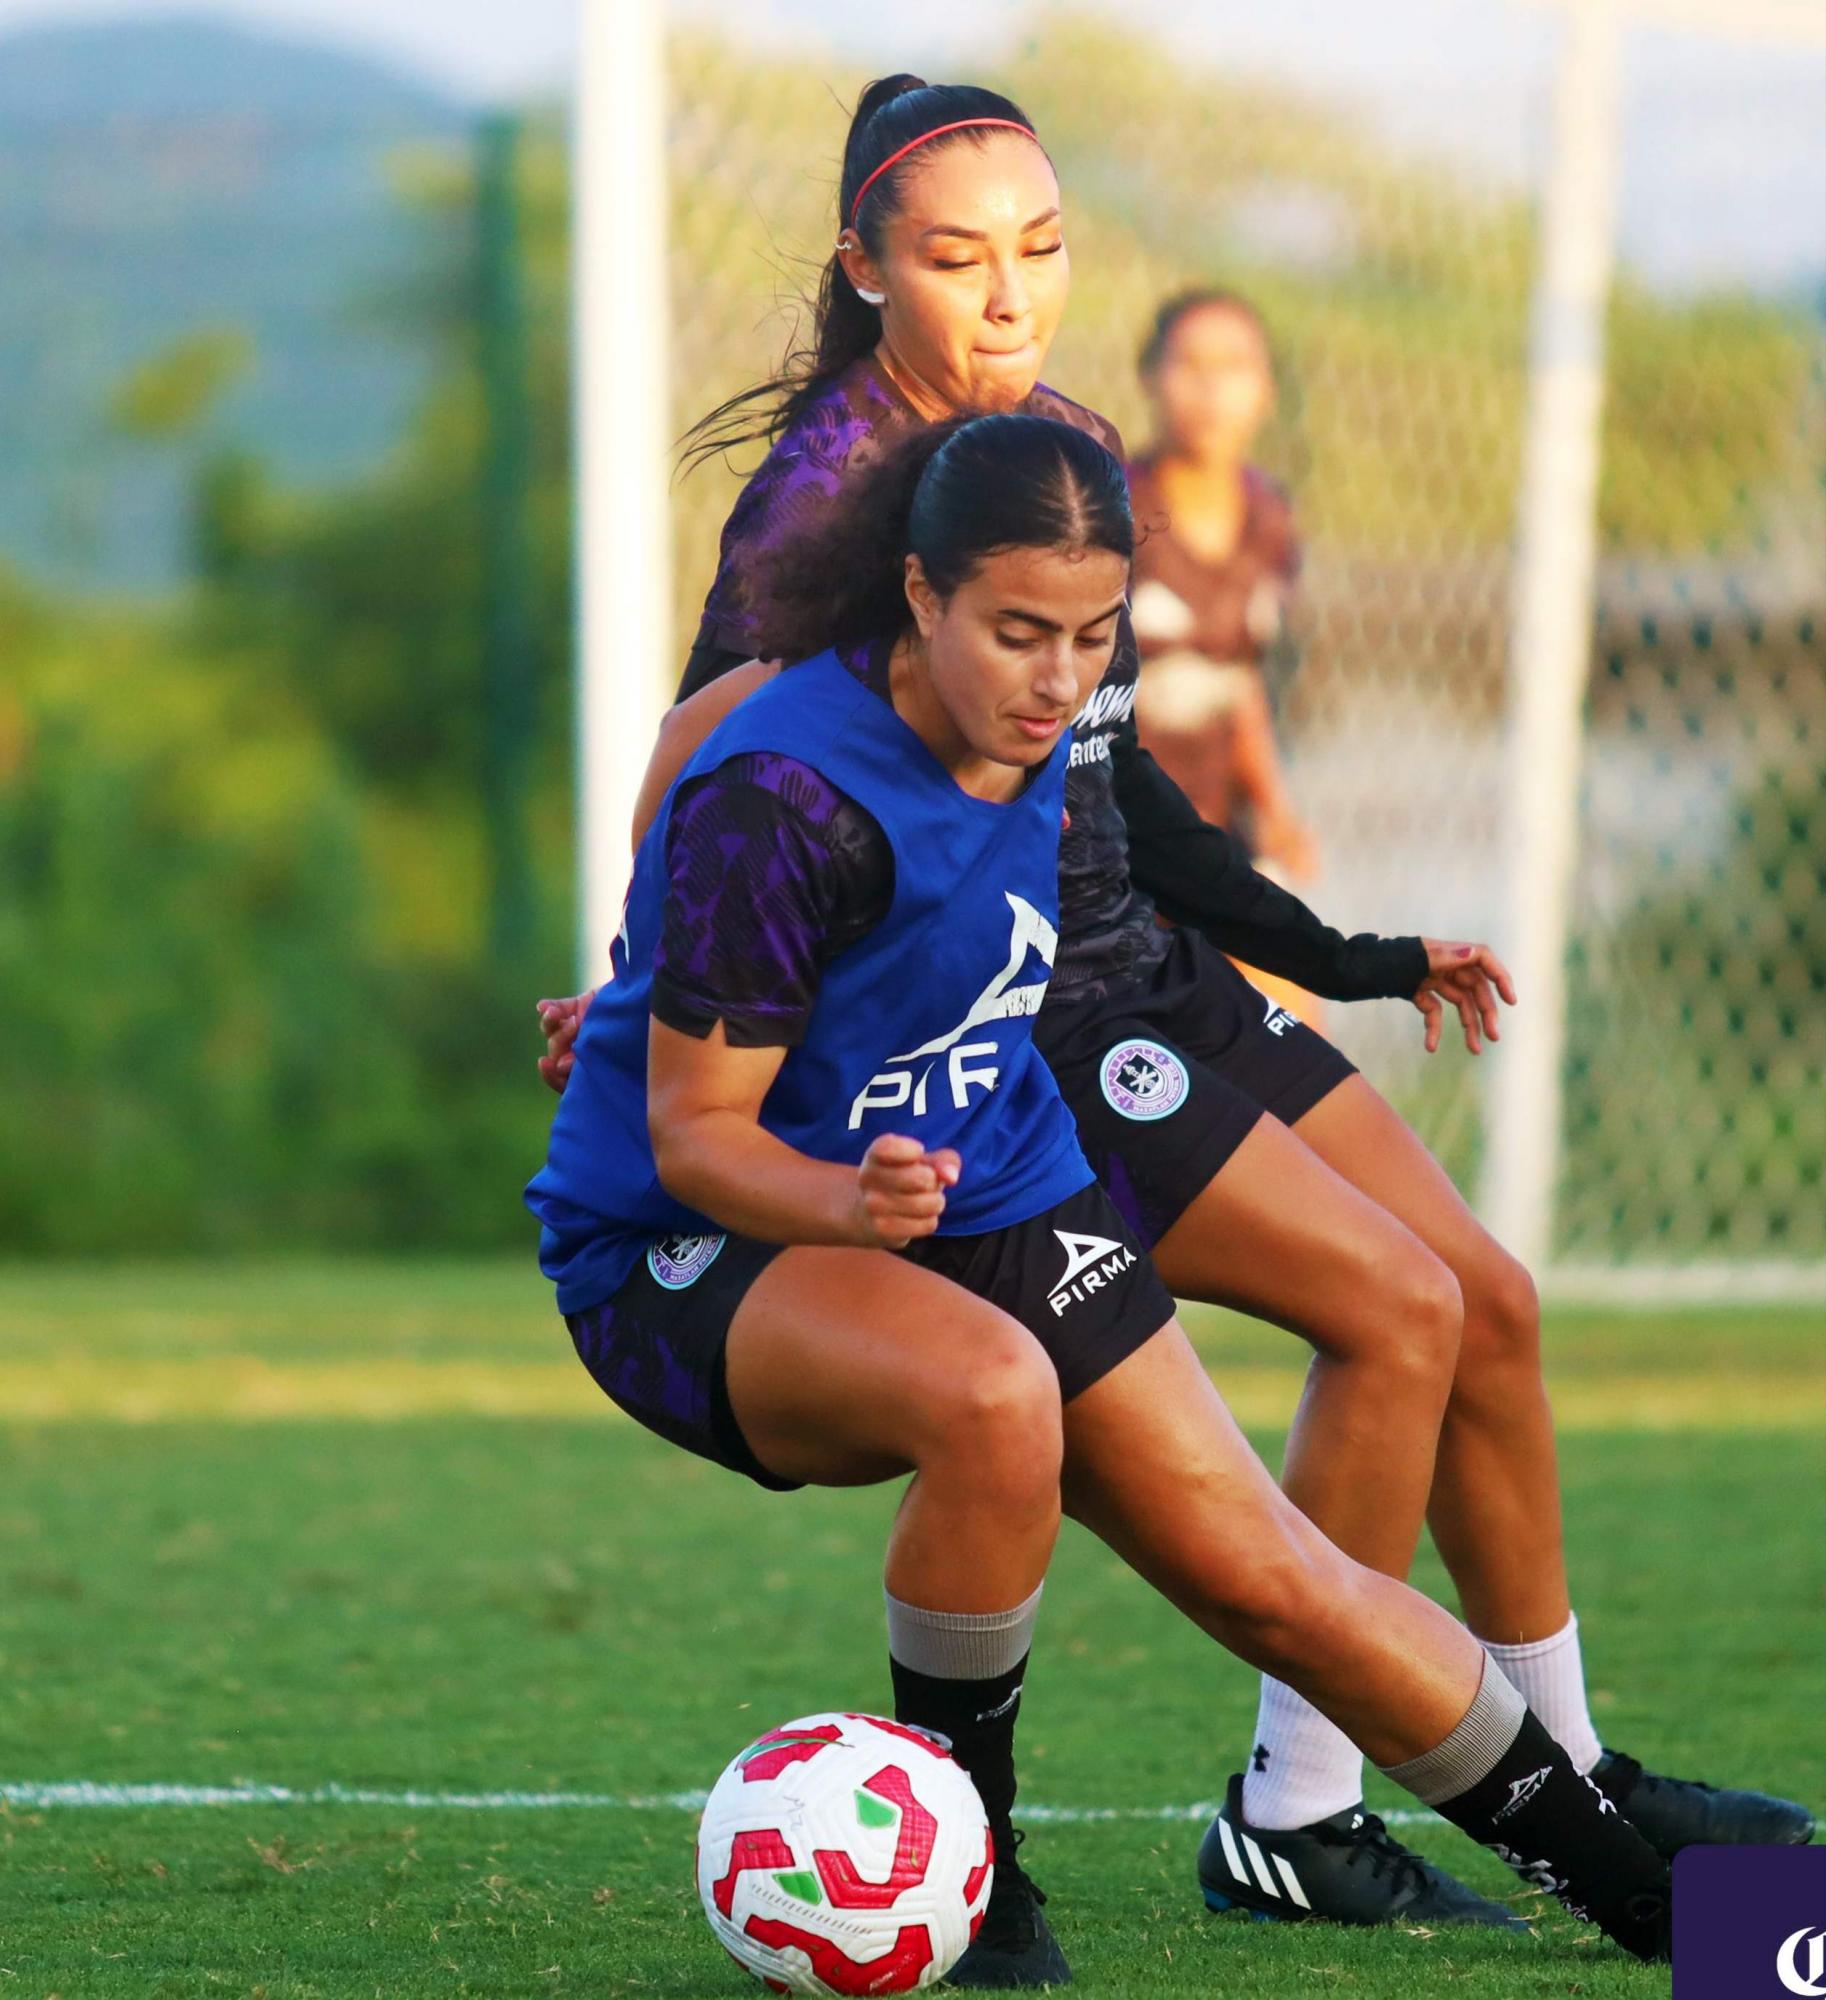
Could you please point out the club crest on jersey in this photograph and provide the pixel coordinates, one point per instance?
(1142, 1080)
(678, 1261)
(1091, 1262)
(1014, 993)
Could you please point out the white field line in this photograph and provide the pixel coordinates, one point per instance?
(87, 1792)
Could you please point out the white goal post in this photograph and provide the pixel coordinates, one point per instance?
(624, 535)
(1550, 632)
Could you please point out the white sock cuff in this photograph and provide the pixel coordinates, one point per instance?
(1309, 1769)
(961, 1645)
(1551, 1675)
(1472, 1751)
(1533, 1649)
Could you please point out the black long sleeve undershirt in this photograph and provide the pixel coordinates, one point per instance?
(1197, 874)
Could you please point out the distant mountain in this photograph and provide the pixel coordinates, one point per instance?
(160, 177)
(192, 67)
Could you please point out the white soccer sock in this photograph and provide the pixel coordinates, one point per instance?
(1551, 1677)
(1303, 1767)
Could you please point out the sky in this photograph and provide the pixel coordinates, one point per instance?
(1724, 167)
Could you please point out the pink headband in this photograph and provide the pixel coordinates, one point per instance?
(925, 138)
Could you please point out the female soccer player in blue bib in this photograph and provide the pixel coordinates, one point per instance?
(832, 1224)
(1243, 1149)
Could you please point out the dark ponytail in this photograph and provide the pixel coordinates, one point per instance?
(951, 494)
(891, 113)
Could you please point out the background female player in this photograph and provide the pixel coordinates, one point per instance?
(863, 860)
(1216, 558)
(1425, 1398)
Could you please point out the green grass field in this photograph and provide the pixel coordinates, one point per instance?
(315, 1525)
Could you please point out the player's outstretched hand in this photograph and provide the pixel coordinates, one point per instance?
(1468, 977)
(900, 1191)
(559, 1021)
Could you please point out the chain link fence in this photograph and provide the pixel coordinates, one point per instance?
(1395, 281)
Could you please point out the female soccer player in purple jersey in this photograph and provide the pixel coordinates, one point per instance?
(784, 1246)
(1261, 1170)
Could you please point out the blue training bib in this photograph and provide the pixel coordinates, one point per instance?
(924, 1027)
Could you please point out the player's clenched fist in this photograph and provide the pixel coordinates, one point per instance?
(900, 1191)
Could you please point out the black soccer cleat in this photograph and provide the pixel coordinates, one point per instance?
(1672, 1813)
(1014, 1945)
(1348, 1869)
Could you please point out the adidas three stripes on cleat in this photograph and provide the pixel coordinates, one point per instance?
(1348, 1869)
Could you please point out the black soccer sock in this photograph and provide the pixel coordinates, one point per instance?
(1503, 1779)
(959, 1674)
(1558, 1831)
(978, 1717)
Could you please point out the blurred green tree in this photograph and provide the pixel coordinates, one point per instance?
(245, 998)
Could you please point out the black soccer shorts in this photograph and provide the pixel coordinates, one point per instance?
(1168, 1075)
(1074, 1276)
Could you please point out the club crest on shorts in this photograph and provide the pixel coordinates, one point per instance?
(1143, 1080)
(678, 1261)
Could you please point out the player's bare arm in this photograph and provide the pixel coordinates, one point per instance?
(681, 731)
(685, 727)
(704, 1100)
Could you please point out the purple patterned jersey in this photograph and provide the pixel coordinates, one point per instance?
(1107, 927)
(771, 871)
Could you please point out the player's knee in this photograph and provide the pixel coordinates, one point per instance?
(1427, 1323)
(1502, 1314)
(1003, 1425)
(1438, 1306)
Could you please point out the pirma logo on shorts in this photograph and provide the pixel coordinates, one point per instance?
(1091, 1262)
(1275, 1017)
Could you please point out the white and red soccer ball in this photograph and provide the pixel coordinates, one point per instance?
(844, 1854)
